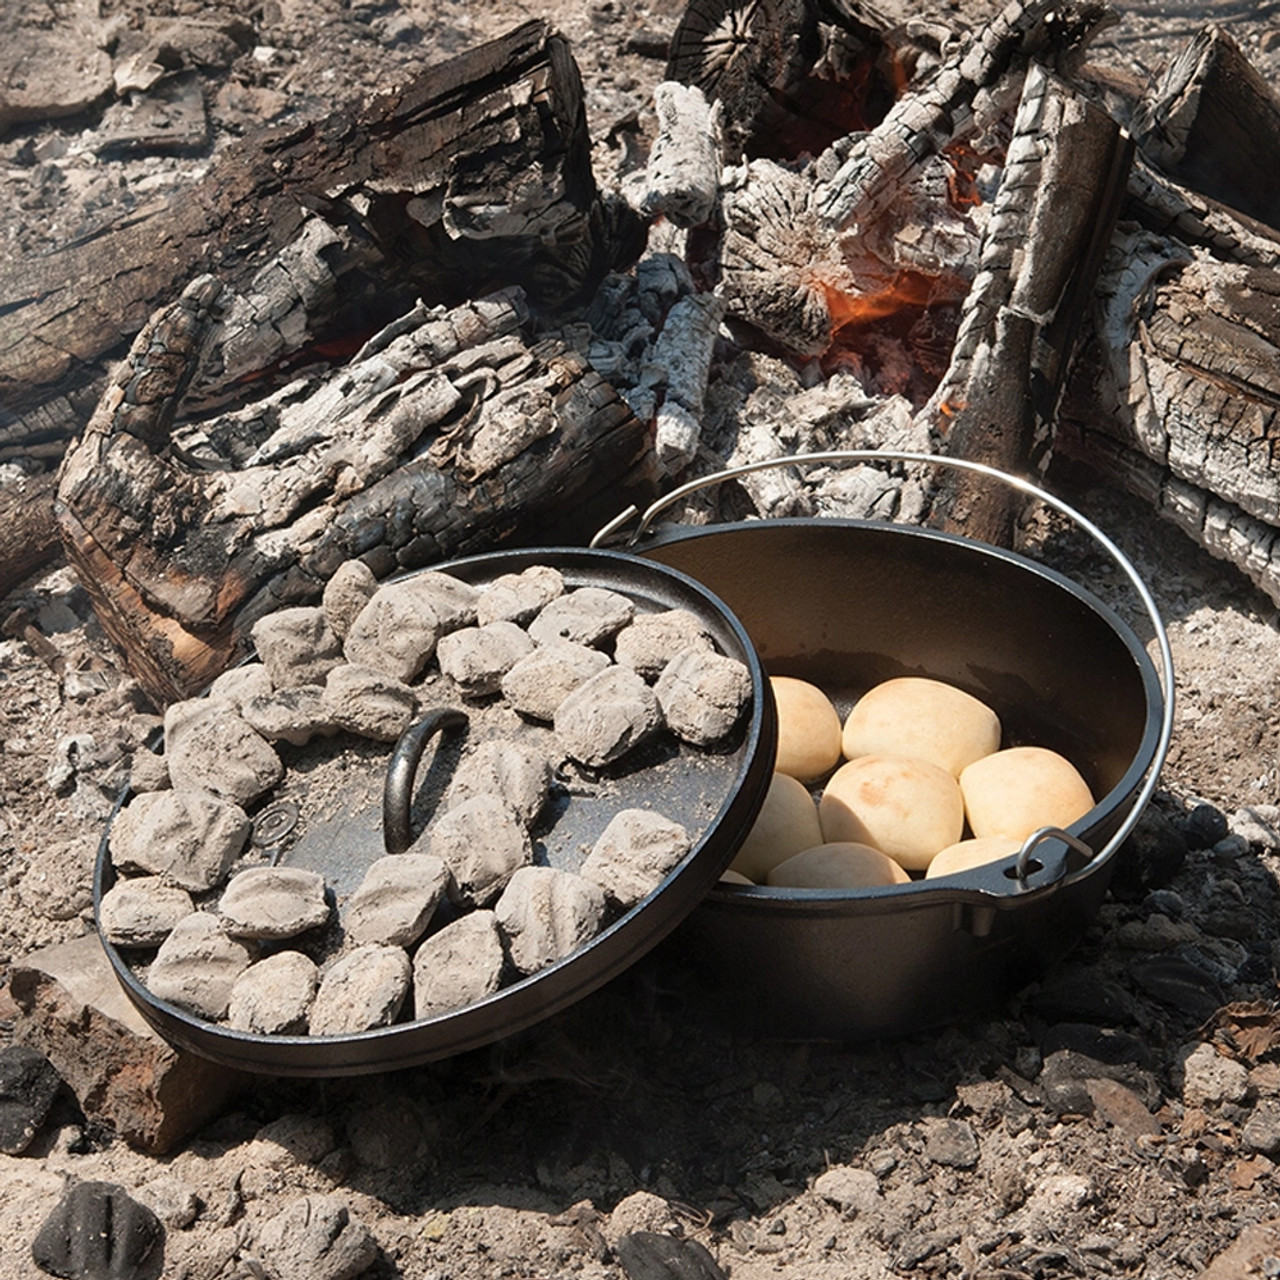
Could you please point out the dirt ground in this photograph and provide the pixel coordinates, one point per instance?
(1072, 1133)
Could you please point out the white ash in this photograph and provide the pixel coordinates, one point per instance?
(682, 179)
(197, 966)
(603, 719)
(141, 911)
(515, 771)
(651, 640)
(346, 593)
(369, 703)
(395, 633)
(589, 615)
(297, 646)
(273, 902)
(294, 715)
(189, 837)
(478, 657)
(634, 854)
(459, 965)
(209, 747)
(537, 684)
(364, 989)
(517, 597)
(703, 695)
(273, 996)
(483, 842)
(396, 899)
(148, 771)
(546, 914)
(248, 680)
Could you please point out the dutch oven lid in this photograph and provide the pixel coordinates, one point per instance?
(715, 793)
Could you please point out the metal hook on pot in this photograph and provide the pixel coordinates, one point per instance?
(397, 792)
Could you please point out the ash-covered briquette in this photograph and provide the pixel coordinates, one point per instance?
(546, 914)
(297, 646)
(537, 684)
(459, 965)
(603, 719)
(210, 748)
(517, 771)
(588, 615)
(191, 838)
(517, 597)
(396, 899)
(634, 854)
(370, 703)
(141, 911)
(476, 658)
(483, 843)
(703, 695)
(271, 903)
(198, 964)
(273, 996)
(294, 715)
(650, 641)
(363, 990)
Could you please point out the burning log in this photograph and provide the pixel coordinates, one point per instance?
(446, 434)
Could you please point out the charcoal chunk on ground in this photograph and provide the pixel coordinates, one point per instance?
(703, 695)
(459, 965)
(514, 771)
(273, 903)
(650, 1255)
(350, 588)
(634, 854)
(297, 646)
(141, 911)
(589, 615)
(364, 989)
(28, 1085)
(603, 719)
(369, 703)
(483, 843)
(395, 633)
(317, 1238)
(478, 657)
(210, 748)
(293, 715)
(273, 997)
(197, 966)
(546, 914)
(653, 639)
(517, 597)
(537, 684)
(189, 837)
(97, 1231)
(396, 899)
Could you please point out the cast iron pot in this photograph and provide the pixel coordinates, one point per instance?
(846, 604)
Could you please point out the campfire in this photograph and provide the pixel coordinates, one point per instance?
(422, 329)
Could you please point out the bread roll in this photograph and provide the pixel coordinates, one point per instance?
(925, 719)
(904, 807)
(788, 822)
(968, 854)
(1015, 792)
(808, 729)
(838, 866)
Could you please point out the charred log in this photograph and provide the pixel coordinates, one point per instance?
(28, 533)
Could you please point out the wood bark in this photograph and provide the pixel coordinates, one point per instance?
(447, 434)
(1063, 180)
(28, 533)
(472, 176)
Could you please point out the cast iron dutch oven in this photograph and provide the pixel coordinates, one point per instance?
(846, 604)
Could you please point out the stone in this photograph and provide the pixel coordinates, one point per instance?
(483, 843)
(603, 719)
(459, 965)
(1261, 1131)
(851, 1190)
(1209, 1079)
(364, 989)
(369, 703)
(317, 1238)
(350, 588)
(517, 597)
(588, 615)
(652, 640)
(187, 836)
(297, 646)
(294, 715)
(396, 899)
(546, 914)
(273, 903)
(174, 1201)
(197, 965)
(148, 771)
(478, 657)
(273, 996)
(141, 911)
(72, 1008)
(516, 771)
(952, 1143)
(395, 633)
(537, 684)
(97, 1231)
(634, 854)
(29, 1082)
(703, 695)
(211, 748)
